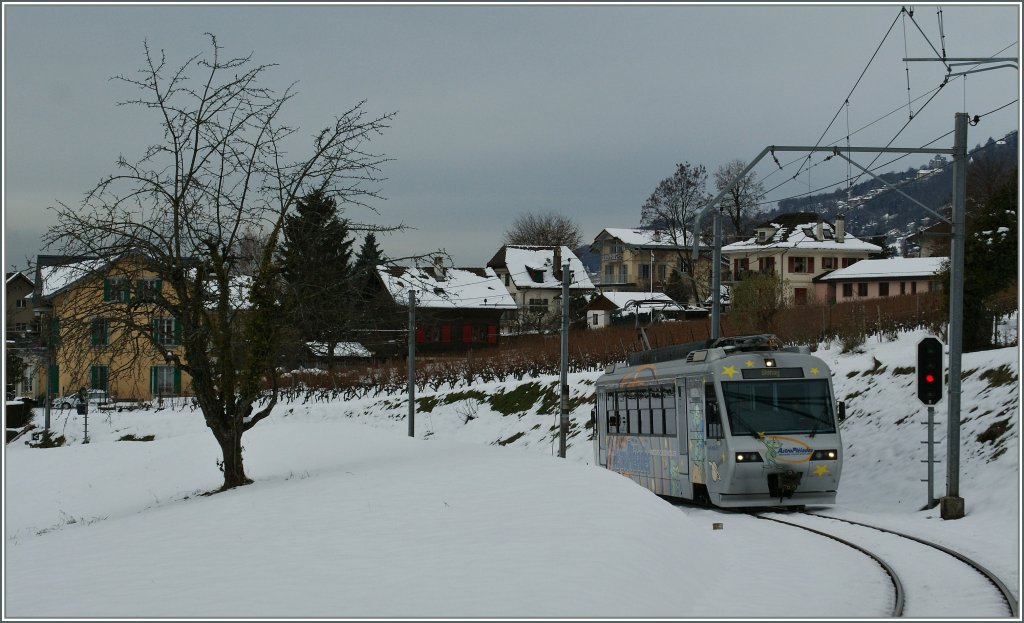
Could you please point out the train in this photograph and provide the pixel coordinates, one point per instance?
(740, 421)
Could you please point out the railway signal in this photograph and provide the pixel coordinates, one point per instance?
(929, 370)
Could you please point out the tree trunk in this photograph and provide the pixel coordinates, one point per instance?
(231, 449)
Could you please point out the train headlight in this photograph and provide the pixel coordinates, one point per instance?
(748, 457)
(825, 455)
(769, 363)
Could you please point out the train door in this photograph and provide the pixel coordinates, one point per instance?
(681, 428)
(694, 395)
(601, 426)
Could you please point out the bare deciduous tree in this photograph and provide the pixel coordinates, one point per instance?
(741, 202)
(671, 209)
(185, 207)
(544, 229)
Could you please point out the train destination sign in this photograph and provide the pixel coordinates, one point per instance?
(773, 373)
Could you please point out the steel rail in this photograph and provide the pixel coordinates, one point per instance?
(991, 577)
(897, 609)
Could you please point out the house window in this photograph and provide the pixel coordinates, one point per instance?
(98, 377)
(166, 331)
(28, 381)
(662, 272)
(828, 263)
(99, 332)
(115, 289)
(849, 261)
(538, 305)
(21, 327)
(624, 273)
(20, 304)
(508, 279)
(164, 380)
(766, 264)
(883, 288)
(740, 266)
(762, 235)
(847, 290)
(609, 271)
(862, 289)
(913, 287)
(903, 287)
(801, 264)
(147, 289)
(593, 319)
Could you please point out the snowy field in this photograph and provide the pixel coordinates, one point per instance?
(350, 518)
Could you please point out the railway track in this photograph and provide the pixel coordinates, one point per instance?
(929, 580)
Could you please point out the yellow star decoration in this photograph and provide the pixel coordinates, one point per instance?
(750, 364)
(814, 371)
(729, 371)
(821, 470)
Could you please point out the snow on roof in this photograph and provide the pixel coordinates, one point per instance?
(792, 233)
(532, 267)
(895, 268)
(645, 237)
(656, 300)
(55, 278)
(456, 288)
(342, 349)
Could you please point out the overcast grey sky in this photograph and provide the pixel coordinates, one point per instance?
(504, 109)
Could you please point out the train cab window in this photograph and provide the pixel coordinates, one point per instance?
(713, 416)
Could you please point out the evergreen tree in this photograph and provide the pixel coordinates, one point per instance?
(315, 259)
(367, 260)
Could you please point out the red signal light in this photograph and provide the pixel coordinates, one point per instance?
(929, 378)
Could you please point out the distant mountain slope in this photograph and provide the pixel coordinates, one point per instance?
(876, 210)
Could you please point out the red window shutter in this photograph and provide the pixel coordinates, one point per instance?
(467, 333)
(810, 267)
(421, 335)
(790, 269)
(492, 334)
(446, 333)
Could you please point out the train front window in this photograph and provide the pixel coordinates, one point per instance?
(777, 407)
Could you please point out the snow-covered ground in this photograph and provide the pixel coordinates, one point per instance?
(476, 516)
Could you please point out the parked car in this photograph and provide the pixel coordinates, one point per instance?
(96, 397)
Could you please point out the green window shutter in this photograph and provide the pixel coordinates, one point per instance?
(54, 330)
(157, 287)
(177, 380)
(106, 290)
(54, 379)
(152, 380)
(153, 328)
(139, 285)
(177, 331)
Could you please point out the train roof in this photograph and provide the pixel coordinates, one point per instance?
(702, 352)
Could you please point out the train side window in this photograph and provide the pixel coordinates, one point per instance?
(711, 413)
(657, 402)
(611, 413)
(634, 414)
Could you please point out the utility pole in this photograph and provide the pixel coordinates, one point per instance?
(563, 427)
(411, 383)
(952, 505)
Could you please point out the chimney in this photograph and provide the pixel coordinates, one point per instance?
(840, 228)
(819, 233)
(439, 267)
(557, 270)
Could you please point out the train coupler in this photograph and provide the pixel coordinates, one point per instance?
(783, 484)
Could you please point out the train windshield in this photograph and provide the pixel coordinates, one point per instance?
(800, 406)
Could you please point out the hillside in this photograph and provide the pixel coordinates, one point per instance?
(474, 517)
(874, 210)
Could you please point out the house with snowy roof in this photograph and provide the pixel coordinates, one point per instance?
(632, 258)
(533, 277)
(609, 308)
(22, 334)
(456, 308)
(798, 247)
(870, 279)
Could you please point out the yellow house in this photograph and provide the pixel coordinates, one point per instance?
(638, 260)
(105, 329)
